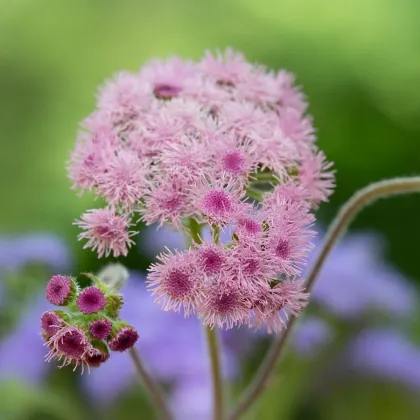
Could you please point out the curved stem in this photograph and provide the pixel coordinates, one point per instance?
(345, 216)
(151, 386)
(214, 351)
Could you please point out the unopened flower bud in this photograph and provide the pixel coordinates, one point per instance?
(60, 290)
(123, 338)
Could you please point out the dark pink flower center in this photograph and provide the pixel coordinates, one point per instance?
(91, 300)
(58, 290)
(251, 226)
(211, 261)
(224, 303)
(178, 284)
(51, 322)
(251, 266)
(72, 344)
(125, 339)
(282, 249)
(217, 202)
(100, 329)
(172, 203)
(233, 162)
(166, 91)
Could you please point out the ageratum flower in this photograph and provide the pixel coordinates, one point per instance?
(227, 144)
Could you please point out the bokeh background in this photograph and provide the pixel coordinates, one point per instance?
(359, 63)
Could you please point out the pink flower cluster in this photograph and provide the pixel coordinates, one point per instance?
(81, 335)
(251, 280)
(182, 140)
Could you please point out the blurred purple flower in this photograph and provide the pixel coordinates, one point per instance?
(16, 362)
(310, 336)
(16, 251)
(387, 354)
(355, 279)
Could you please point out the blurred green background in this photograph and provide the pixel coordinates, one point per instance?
(358, 61)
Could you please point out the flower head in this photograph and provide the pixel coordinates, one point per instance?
(96, 357)
(124, 339)
(181, 140)
(60, 290)
(218, 199)
(175, 282)
(100, 329)
(273, 305)
(224, 308)
(211, 258)
(106, 232)
(69, 343)
(91, 300)
(51, 322)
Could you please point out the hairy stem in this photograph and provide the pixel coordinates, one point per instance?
(216, 371)
(151, 386)
(345, 216)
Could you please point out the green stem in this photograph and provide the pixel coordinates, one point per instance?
(216, 370)
(211, 334)
(345, 216)
(195, 230)
(151, 386)
(254, 193)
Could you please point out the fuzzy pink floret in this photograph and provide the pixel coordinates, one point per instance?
(175, 281)
(59, 290)
(226, 308)
(51, 322)
(106, 232)
(273, 305)
(91, 300)
(100, 329)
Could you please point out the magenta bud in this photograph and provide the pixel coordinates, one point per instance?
(60, 290)
(100, 329)
(123, 339)
(51, 322)
(91, 300)
(98, 355)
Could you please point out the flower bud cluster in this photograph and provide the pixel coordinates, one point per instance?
(87, 326)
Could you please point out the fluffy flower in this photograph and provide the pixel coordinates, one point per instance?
(288, 238)
(218, 199)
(316, 177)
(224, 308)
(168, 201)
(273, 305)
(125, 180)
(175, 282)
(105, 232)
(211, 259)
